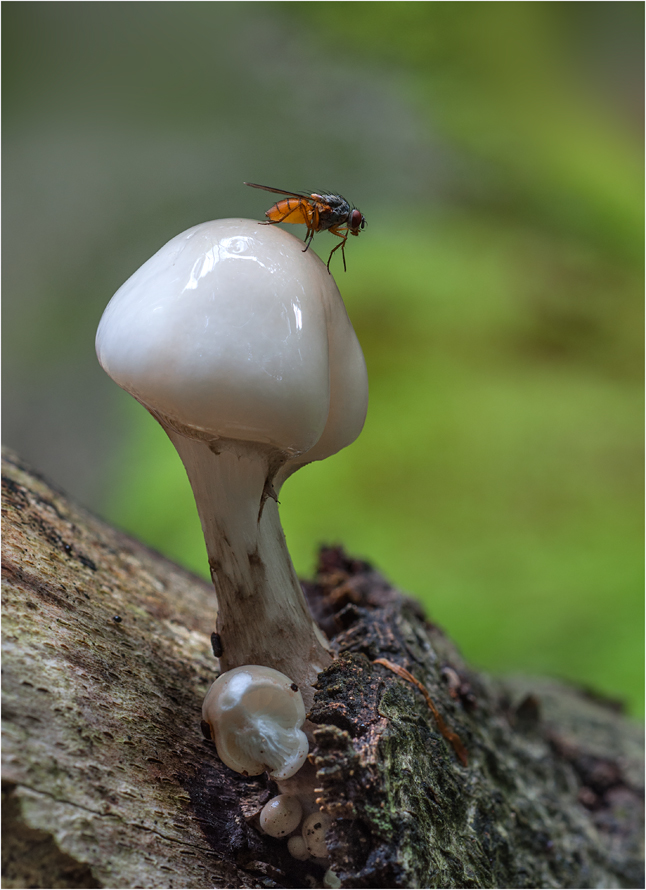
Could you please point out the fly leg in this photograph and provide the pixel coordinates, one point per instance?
(312, 223)
(341, 244)
(308, 238)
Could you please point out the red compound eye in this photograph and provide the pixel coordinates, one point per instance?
(356, 220)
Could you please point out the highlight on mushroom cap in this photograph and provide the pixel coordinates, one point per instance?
(256, 714)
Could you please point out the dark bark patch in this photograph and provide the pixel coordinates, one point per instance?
(225, 805)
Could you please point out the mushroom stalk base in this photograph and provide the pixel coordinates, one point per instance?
(262, 614)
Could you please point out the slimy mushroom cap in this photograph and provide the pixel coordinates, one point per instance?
(216, 333)
(256, 714)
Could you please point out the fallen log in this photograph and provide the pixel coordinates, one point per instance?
(435, 775)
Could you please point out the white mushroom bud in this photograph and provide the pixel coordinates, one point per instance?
(281, 815)
(255, 714)
(297, 848)
(239, 344)
(314, 829)
(330, 879)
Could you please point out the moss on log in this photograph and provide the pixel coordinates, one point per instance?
(107, 781)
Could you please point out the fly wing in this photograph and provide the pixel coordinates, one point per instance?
(267, 188)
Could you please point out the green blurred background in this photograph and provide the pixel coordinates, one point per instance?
(496, 152)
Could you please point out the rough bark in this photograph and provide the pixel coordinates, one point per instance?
(107, 781)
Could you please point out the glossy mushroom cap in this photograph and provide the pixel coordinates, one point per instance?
(231, 330)
(281, 815)
(256, 714)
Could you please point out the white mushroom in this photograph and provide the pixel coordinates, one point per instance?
(239, 344)
(255, 714)
(314, 829)
(281, 815)
(297, 848)
(331, 879)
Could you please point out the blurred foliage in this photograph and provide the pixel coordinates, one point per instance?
(509, 83)
(495, 150)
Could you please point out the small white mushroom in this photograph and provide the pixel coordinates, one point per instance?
(314, 830)
(281, 815)
(297, 848)
(330, 879)
(255, 714)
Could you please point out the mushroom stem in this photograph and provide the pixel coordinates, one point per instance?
(262, 614)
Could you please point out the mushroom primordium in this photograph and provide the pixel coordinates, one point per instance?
(239, 344)
(297, 848)
(313, 830)
(281, 815)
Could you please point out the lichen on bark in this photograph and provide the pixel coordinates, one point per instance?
(107, 655)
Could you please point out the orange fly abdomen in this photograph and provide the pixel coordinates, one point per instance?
(291, 210)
